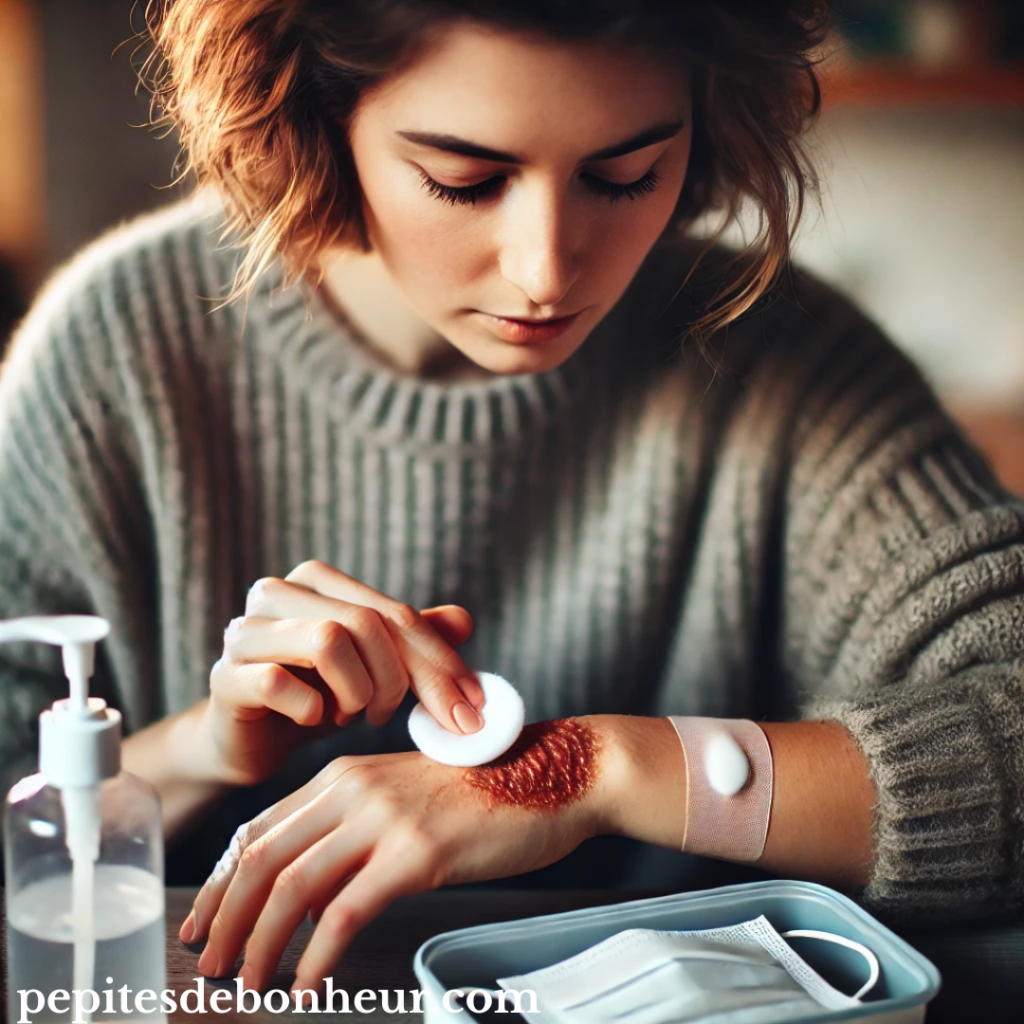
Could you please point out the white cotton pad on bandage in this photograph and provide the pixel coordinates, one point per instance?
(726, 765)
(503, 714)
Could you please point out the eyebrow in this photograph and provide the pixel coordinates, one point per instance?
(452, 144)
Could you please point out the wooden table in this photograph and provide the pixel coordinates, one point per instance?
(982, 968)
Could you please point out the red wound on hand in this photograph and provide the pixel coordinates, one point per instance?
(549, 766)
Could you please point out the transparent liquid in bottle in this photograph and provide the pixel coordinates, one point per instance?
(130, 943)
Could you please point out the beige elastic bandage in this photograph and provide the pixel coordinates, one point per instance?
(727, 827)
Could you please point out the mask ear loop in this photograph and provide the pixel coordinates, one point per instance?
(840, 940)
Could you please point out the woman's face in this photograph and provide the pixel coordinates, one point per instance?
(507, 176)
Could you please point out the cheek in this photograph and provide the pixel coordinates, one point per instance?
(628, 229)
(415, 234)
(652, 214)
(634, 228)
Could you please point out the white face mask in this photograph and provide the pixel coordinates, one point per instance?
(744, 974)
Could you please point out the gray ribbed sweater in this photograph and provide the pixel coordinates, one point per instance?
(805, 533)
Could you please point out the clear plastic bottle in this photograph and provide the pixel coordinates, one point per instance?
(83, 855)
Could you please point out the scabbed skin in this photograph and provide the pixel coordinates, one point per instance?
(503, 714)
(551, 765)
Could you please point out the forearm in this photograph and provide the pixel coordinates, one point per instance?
(822, 806)
(170, 756)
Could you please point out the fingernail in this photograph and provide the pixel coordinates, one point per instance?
(466, 718)
(473, 691)
(209, 962)
(188, 929)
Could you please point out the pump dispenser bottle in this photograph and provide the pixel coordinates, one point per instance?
(83, 856)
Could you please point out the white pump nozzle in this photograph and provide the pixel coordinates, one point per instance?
(77, 635)
(80, 738)
(55, 629)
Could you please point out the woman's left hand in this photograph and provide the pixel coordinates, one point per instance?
(363, 832)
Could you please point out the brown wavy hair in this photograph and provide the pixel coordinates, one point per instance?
(262, 92)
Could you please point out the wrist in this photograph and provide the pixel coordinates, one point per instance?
(641, 786)
(172, 756)
(194, 749)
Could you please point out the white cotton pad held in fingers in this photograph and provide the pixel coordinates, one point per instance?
(503, 714)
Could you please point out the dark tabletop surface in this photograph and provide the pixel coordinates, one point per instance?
(982, 967)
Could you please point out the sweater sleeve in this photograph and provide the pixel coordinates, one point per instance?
(904, 621)
(73, 525)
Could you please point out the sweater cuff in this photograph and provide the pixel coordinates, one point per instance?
(941, 831)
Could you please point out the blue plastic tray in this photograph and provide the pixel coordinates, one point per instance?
(478, 956)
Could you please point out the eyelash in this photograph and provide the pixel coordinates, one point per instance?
(612, 191)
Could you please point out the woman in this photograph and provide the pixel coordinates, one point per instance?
(784, 527)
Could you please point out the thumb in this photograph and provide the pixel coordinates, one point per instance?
(453, 624)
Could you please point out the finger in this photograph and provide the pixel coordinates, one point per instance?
(318, 905)
(331, 582)
(452, 700)
(209, 897)
(338, 718)
(375, 887)
(453, 624)
(253, 688)
(355, 643)
(321, 869)
(436, 672)
(256, 869)
(212, 892)
(326, 645)
(376, 648)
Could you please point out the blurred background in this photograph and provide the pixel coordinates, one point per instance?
(921, 147)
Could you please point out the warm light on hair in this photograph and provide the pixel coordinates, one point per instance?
(262, 91)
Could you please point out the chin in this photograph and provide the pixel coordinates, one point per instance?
(512, 360)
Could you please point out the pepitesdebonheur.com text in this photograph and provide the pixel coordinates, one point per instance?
(84, 1003)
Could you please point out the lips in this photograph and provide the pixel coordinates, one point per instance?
(527, 332)
(526, 320)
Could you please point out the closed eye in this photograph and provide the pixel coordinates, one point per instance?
(470, 194)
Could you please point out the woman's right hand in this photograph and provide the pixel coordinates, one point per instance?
(315, 649)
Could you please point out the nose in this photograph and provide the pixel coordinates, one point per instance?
(536, 253)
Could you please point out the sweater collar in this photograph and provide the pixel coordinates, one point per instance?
(359, 389)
